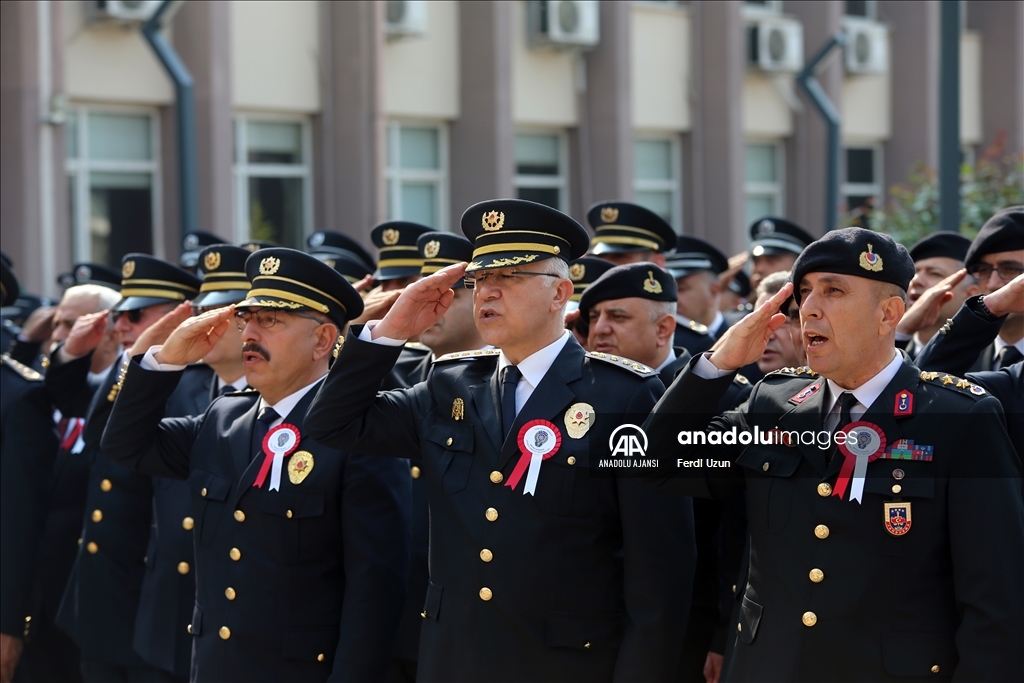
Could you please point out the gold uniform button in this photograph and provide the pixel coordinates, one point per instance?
(497, 477)
(448, 442)
(821, 531)
(586, 645)
(571, 460)
(485, 594)
(288, 514)
(423, 614)
(239, 516)
(224, 632)
(935, 669)
(105, 485)
(320, 657)
(486, 555)
(415, 472)
(235, 554)
(491, 514)
(896, 488)
(203, 494)
(739, 628)
(183, 568)
(229, 593)
(92, 547)
(824, 489)
(188, 523)
(764, 467)
(809, 619)
(97, 515)
(189, 628)
(816, 575)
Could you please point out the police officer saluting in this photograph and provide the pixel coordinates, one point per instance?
(867, 561)
(301, 550)
(539, 570)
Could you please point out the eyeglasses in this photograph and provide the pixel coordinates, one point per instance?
(133, 316)
(267, 318)
(501, 280)
(1007, 271)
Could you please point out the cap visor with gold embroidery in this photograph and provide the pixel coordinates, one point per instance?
(515, 232)
(147, 281)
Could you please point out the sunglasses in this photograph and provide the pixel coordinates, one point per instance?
(133, 316)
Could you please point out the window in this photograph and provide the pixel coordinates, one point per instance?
(863, 186)
(656, 183)
(764, 182)
(864, 9)
(113, 181)
(761, 6)
(541, 173)
(417, 174)
(273, 192)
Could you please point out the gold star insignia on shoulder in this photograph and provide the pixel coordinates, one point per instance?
(948, 379)
(21, 369)
(963, 384)
(697, 327)
(929, 376)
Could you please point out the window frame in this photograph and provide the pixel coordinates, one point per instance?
(770, 8)
(876, 188)
(674, 184)
(560, 181)
(242, 170)
(776, 189)
(394, 173)
(78, 169)
(872, 11)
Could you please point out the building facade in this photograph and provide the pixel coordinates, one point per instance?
(337, 115)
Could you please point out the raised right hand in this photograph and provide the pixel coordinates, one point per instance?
(195, 337)
(1007, 299)
(421, 304)
(744, 342)
(158, 332)
(925, 311)
(86, 334)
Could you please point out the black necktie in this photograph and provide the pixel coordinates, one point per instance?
(226, 389)
(1008, 356)
(509, 380)
(267, 415)
(846, 403)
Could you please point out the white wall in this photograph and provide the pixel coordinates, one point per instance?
(970, 88)
(766, 113)
(110, 62)
(543, 81)
(660, 67)
(275, 55)
(421, 73)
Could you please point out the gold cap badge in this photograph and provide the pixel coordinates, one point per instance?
(577, 271)
(389, 236)
(212, 260)
(431, 249)
(609, 214)
(870, 260)
(493, 220)
(269, 265)
(651, 285)
(128, 269)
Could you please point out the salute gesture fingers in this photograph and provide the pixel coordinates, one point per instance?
(744, 342)
(195, 337)
(86, 334)
(421, 304)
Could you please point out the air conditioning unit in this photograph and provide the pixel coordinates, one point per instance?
(122, 10)
(406, 18)
(564, 23)
(867, 46)
(775, 44)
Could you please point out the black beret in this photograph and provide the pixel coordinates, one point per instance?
(396, 241)
(330, 242)
(1003, 232)
(290, 280)
(740, 284)
(514, 232)
(940, 244)
(855, 251)
(694, 255)
(222, 267)
(584, 272)
(772, 235)
(621, 227)
(147, 281)
(630, 281)
(351, 269)
(9, 289)
(90, 274)
(441, 249)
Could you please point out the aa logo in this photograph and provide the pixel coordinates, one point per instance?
(628, 440)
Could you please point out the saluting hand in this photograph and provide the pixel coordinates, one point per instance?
(1007, 299)
(744, 342)
(376, 304)
(86, 334)
(195, 337)
(925, 311)
(421, 304)
(158, 332)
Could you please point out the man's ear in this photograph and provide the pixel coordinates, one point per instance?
(563, 290)
(326, 337)
(893, 308)
(665, 330)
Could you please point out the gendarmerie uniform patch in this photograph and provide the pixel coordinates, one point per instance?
(897, 517)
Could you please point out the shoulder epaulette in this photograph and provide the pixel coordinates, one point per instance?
(467, 355)
(699, 328)
(248, 391)
(951, 382)
(793, 372)
(23, 370)
(416, 346)
(624, 363)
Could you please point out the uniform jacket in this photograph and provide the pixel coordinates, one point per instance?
(299, 584)
(587, 580)
(694, 339)
(941, 600)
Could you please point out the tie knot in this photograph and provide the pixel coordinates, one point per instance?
(226, 389)
(511, 375)
(268, 415)
(847, 401)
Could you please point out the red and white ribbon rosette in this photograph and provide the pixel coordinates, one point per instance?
(863, 442)
(279, 443)
(538, 440)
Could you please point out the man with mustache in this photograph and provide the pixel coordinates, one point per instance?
(878, 520)
(301, 551)
(540, 567)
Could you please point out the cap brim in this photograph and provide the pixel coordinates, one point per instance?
(774, 249)
(600, 248)
(505, 259)
(220, 298)
(395, 272)
(134, 303)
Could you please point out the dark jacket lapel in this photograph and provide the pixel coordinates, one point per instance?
(809, 416)
(487, 403)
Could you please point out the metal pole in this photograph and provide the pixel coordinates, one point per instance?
(949, 116)
(184, 111)
(833, 120)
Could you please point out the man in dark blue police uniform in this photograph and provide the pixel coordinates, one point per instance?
(864, 487)
(629, 233)
(774, 245)
(695, 265)
(102, 597)
(400, 261)
(539, 568)
(301, 551)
